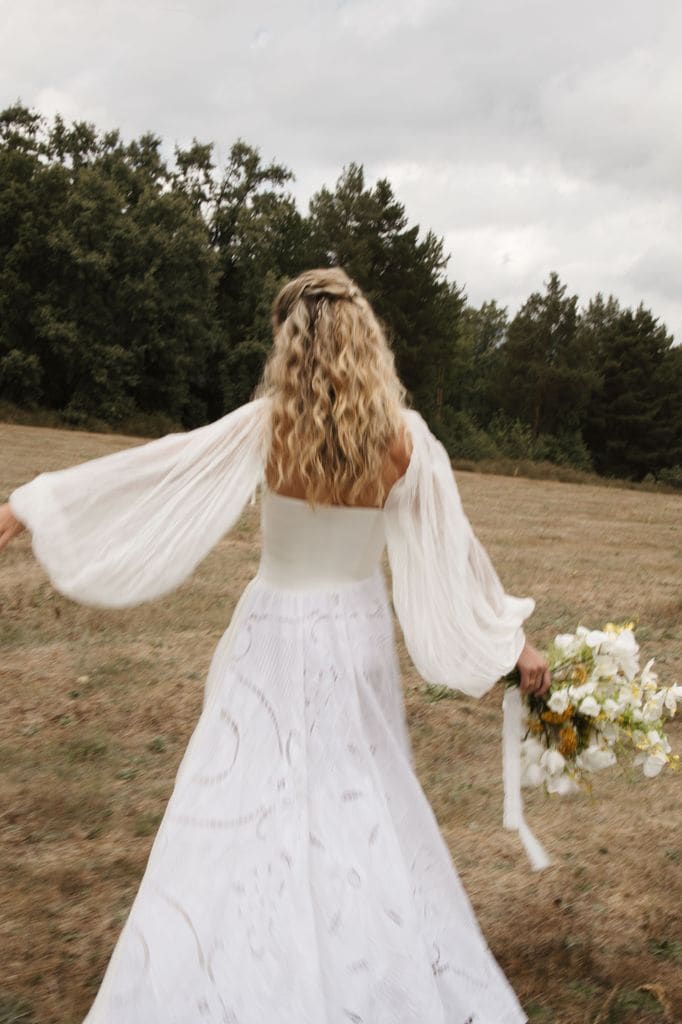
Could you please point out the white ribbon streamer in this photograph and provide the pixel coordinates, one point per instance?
(511, 759)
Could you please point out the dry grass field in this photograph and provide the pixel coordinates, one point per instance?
(97, 707)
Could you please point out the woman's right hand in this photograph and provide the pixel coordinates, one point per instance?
(9, 525)
(534, 670)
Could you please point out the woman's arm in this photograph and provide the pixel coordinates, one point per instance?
(10, 526)
(461, 628)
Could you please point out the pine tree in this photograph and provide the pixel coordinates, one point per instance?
(632, 426)
(365, 230)
(545, 372)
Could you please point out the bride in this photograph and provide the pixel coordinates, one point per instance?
(298, 875)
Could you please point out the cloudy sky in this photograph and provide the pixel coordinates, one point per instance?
(533, 135)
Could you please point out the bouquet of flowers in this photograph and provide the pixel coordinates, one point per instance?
(599, 708)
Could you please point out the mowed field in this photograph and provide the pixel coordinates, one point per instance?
(97, 707)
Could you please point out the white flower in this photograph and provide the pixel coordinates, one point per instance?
(605, 666)
(561, 784)
(625, 650)
(609, 730)
(624, 642)
(533, 775)
(568, 645)
(630, 667)
(577, 693)
(595, 637)
(656, 749)
(630, 695)
(653, 764)
(637, 715)
(653, 709)
(673, 694)
(649, 678)
(559, 701)
(594, 758)
(532, 750)
(553, 762)
(589, 706)
(612, 708)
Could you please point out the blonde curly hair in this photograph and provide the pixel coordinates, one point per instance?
(337, 400)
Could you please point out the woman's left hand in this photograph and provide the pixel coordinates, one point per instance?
(534, 671)
(9, 525)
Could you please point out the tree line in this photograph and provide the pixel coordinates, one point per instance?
(135, 286)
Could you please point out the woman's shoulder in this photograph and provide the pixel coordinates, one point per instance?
(401, 447)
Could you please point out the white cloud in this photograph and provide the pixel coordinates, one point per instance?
(532, 135)
(621, 121)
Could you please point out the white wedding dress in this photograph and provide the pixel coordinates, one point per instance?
(298, 875)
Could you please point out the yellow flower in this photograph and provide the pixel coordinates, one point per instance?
(568, 741)
(555, 717)
(579, 674)
(612, 627)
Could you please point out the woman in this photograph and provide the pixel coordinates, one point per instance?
(299, 874)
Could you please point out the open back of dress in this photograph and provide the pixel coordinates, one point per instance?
(299, 875)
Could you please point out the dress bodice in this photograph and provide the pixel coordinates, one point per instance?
(306, 547)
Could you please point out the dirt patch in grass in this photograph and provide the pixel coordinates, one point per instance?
(99, 706)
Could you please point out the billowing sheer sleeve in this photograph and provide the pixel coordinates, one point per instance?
(132, 525)
(461, 628)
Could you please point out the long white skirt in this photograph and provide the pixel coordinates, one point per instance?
(299, 875)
